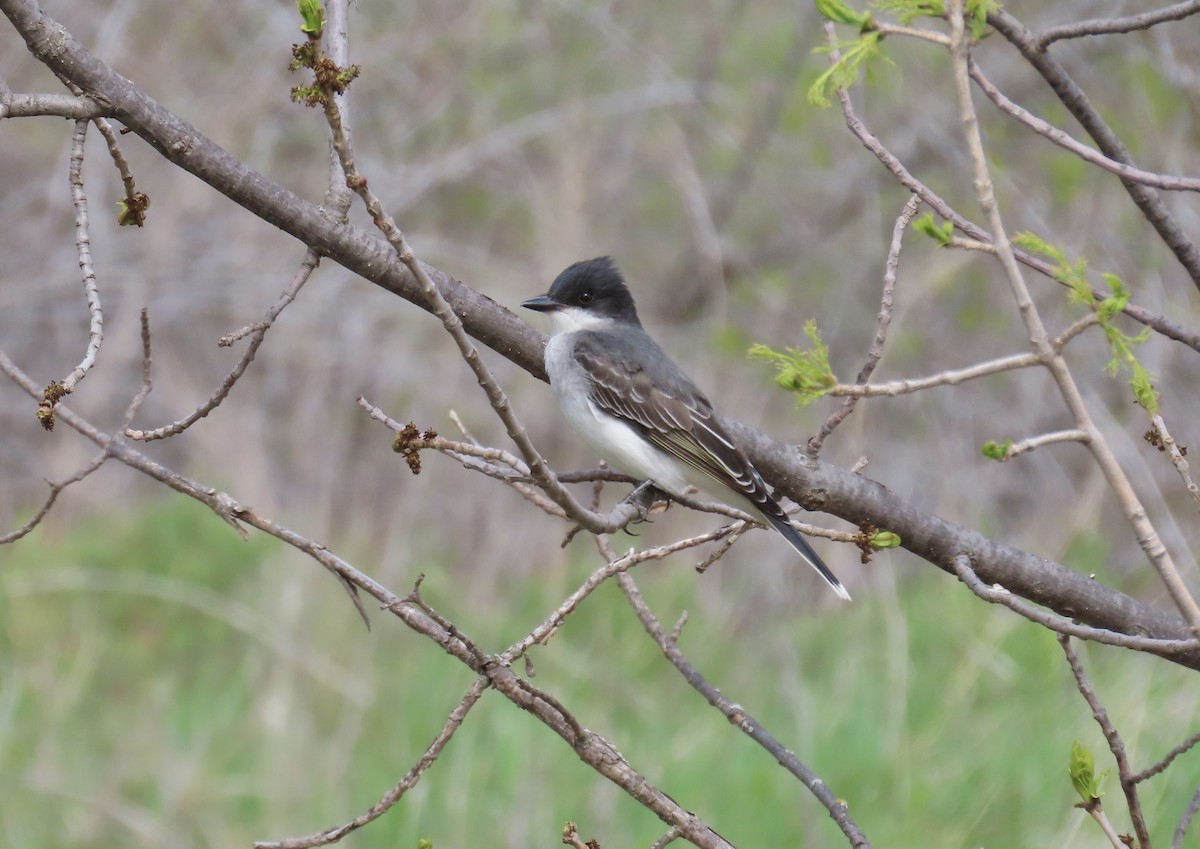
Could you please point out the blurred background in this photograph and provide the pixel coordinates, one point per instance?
(164, 683)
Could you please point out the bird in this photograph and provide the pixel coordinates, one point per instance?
(638, 409)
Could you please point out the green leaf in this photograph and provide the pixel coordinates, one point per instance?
(942, 234)
(313, 16)
(855, 55)
(906, 10)
(807, 373)
(838, 12)
(1117, 300)
(979, 10)
(885, 539)
(1143, 388)
(1082, 769)
(997, 450)
(1120, 343)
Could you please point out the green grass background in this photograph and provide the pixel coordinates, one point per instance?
(164, 684)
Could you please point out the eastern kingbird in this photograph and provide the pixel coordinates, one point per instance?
(637, 408)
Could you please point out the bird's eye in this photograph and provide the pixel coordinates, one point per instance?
(585, 297)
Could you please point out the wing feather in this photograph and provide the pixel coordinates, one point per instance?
(675, 416)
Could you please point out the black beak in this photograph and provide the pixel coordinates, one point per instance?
(542, 303)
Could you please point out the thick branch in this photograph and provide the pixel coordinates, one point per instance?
(813, 484)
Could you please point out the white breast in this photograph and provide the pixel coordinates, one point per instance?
(618, 443)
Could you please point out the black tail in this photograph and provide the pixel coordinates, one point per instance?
(806, 551)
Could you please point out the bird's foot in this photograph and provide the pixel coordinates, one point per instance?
(646, 497)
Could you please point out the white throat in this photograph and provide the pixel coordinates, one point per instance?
(571, 319)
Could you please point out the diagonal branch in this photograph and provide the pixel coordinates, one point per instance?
(1053, 360)
(591, 748)
(437, 303)
(814, 484)
(1185, 821)
(1073, 97)
(1066, 142)
(257, 335)
(1115, 744)
(737, 715)
(1112, 26)
(875, 353)
(410, 779)
(1160, 324)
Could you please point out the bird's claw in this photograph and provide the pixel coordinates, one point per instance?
(643, 497)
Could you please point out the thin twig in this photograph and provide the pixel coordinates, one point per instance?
(1151, 771)
(1112, 26)
(1066, 142)
(508, 468)
(1096, 811)
(951, 377)
(1166, 443)
(932, 36)
(881, 325)
(737, 715)
(615, 566)
(1076, 101)
(1158, 323)
(496, 463)
(539, 469)
(83, 250)
(1117, 480)
(998, 595)
(307, 266)
(1185, 821)
(135, 203)
(1060, 341)
(1115, 744)
(410, 779)
(132, 196)
(667, 839)
(56, 487)
(1035, 442)
(721, 549)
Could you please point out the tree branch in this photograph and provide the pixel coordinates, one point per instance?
(1115, 744)
(1160, 324)
(591, 748)
(1066, 142)
(1053, 360)
(1111, 26)
(814, 484)
(997, 594)
(410, 779)
(737, 716)
(1072, 97)
(881, 325)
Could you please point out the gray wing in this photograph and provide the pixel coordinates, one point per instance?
(655, 397)
(636, 382)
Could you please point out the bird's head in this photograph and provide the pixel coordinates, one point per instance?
(588, 295)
